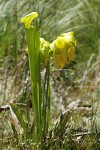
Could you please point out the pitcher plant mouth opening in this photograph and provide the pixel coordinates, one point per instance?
(62, 51)
(27, 20)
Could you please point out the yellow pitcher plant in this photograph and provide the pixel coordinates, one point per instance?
(62, 51)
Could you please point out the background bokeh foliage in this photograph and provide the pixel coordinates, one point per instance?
(55, 17)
